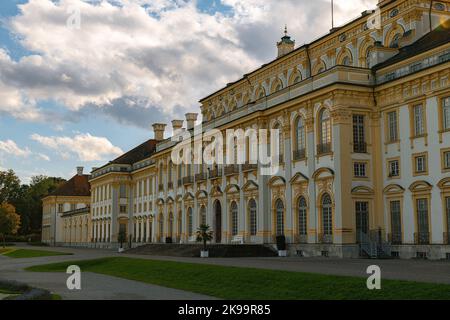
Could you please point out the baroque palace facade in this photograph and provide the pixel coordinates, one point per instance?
(364, 114)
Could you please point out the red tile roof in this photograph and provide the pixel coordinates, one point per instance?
(78, 186)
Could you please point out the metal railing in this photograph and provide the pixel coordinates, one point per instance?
(325, 238)
(215, 173)
(249, 166)
(188, 180)
(422, 238)
(299, 154)
(395, 238)
(446, 238)
(201, 176)
(360, 147)
(323, 148)
(231, 169)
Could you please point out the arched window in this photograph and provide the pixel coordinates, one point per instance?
(203, 215)
(161, 169)
(327, 215)
(190, 223)
(395, 41)
(171, 225)
(346, 61)
(300, 134)
(253, 221)
(325, 127)
(302, 211)
(279, 207)
(169, 174)
(261, 93)
(368, 56)
(234, 219)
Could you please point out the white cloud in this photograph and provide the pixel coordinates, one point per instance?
(148, 58)
(42, 156)
(11, 148)
(85, 146)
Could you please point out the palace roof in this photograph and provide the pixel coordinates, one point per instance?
(436, 38)
(78, 186)
(141, 152)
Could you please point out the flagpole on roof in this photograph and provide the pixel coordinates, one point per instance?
(332, 14)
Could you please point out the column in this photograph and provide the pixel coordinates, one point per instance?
(312, 218)
(289, 220)
(114, 213)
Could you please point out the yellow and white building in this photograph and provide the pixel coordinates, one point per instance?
(364, 113)
(66, 212)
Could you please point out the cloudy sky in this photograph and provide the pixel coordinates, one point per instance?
(81, 81)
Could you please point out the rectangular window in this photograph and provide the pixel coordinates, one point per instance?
(420, 164)
(446, 113)
(123, 209)
(359, 141)
(392, 126)
(396, 225)
(394, 168)
(60, 207)
(359, 169)
(446, 159)
(419, 125)
(73, 206)
(447, 209)
(122, 191)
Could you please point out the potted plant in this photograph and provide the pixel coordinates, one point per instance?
(204, 234)
(281, 246)
(122, 237)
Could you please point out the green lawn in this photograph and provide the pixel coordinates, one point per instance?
(27, 253)
(246, 283)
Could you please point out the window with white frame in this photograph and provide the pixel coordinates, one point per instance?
(234, 219)
(446, 113)
(419, 124)
(447, 160)
(359, 169)
(327, 215)
(279, 206)
(394, 168)
(190, 223)
(302, 212)
(420, 164)
(253, 221)
(300, 134)
(392, 126)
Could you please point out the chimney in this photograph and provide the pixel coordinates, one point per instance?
(177, 125)
(286, 45)
(80, 171)
(158, 129)
(190, 120)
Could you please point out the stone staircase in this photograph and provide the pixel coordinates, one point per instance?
(215, 250)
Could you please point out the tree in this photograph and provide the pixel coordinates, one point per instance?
(9, 186)
(204, 234)
(29, 202)
(9, 221)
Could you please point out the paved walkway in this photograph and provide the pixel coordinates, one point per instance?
(95, 286)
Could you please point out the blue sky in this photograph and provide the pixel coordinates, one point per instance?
(74, 95)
